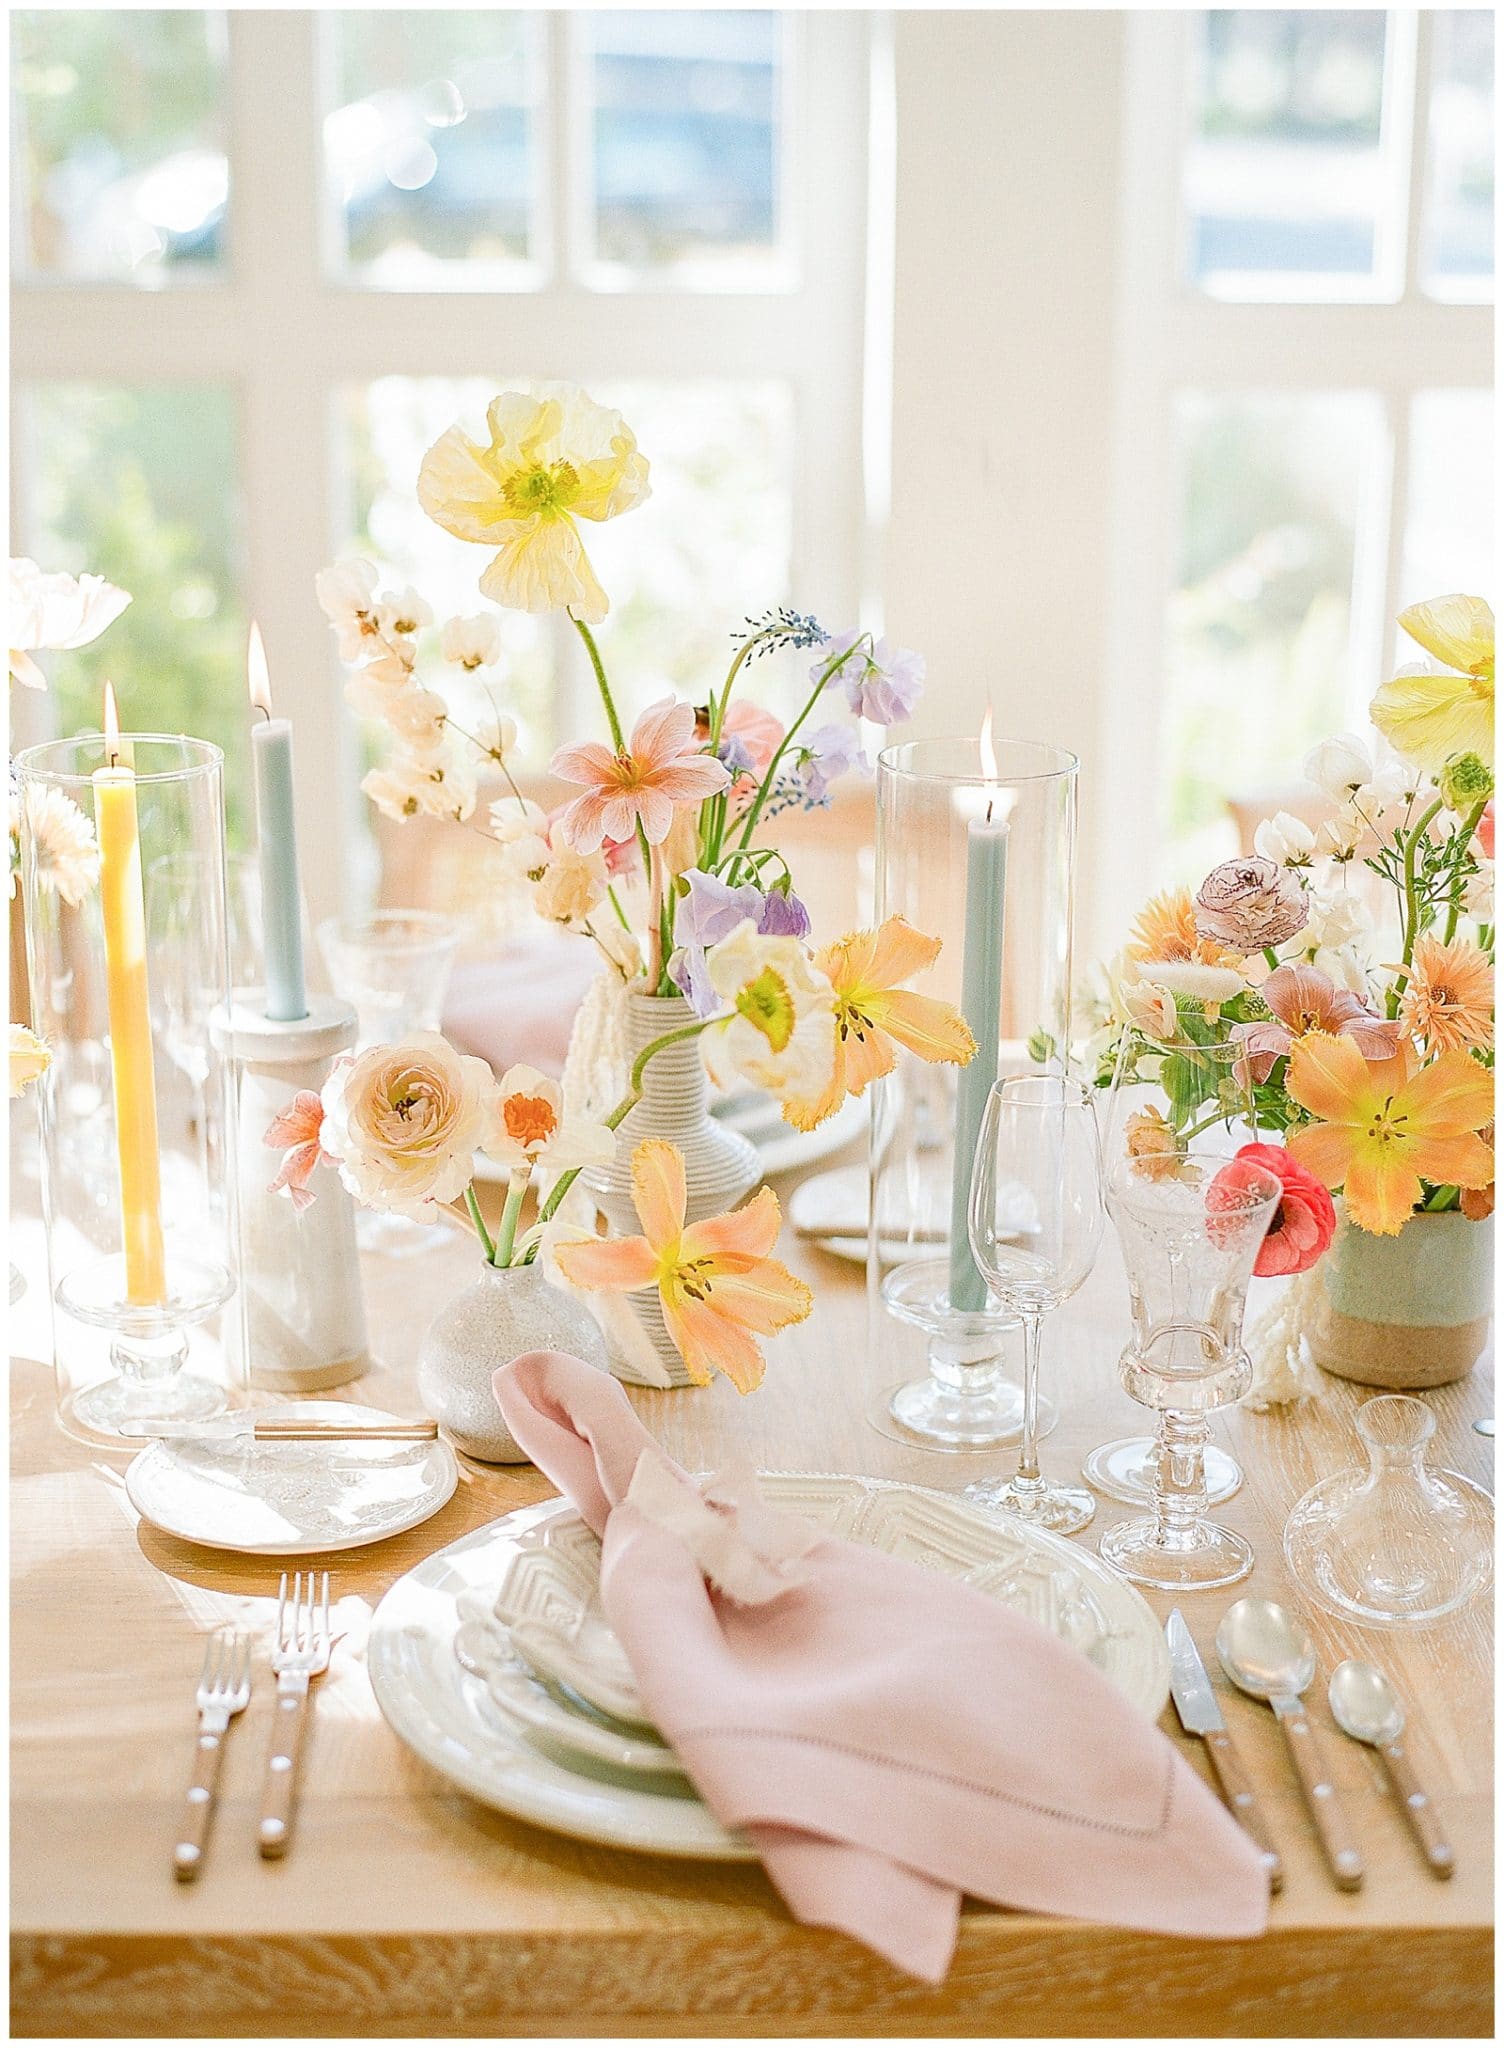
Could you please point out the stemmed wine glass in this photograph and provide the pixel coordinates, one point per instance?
(1039, 1134)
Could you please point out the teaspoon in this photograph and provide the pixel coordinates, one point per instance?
(1267, 1654)
(1366, 1706)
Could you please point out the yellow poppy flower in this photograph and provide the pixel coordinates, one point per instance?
(553, 460)
(1430, 717)
(1384, 1127)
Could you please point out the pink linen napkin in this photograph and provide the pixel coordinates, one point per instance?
(887, 1737)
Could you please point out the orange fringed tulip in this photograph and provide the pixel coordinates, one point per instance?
(1384, 1126)
(719, 1288)
(873, 1012)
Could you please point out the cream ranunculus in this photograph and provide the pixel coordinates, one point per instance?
(29, 1059)
(780, 1031)
(403, 1122)
(553, 459)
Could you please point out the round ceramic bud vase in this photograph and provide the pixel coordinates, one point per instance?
(1404, 1312)
(506, 1311)
(720, 1167)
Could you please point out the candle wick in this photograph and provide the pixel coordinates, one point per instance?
(264, 711)
(114, 758)
(989, 810)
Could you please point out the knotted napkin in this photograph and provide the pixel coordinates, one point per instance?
(887, 1737)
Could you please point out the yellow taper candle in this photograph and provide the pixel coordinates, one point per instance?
(123, 907)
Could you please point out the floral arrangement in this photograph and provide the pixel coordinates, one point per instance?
(1269, 996)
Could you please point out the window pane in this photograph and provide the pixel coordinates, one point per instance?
(685, 134)
(1258, 646)
(1284, 184)
(135, 483)
(710, 545)
(1449, 525)
(1457, 259)
(120, 160)
(429, 149)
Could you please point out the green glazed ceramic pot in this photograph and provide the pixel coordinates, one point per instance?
(1405, 1312)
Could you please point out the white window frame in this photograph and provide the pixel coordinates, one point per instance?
(285, 334)
(1172, 337)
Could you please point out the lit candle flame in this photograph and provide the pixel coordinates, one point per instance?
(111, 727)
(988, 751)
(256, 672)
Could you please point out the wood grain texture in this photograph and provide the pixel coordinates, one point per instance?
(405, 1909)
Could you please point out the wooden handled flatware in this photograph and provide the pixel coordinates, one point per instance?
(1366, 1706)
(301, 1653)
(1196, 1704)
(289, 1429)
(224, 1688)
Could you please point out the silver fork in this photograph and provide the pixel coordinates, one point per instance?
(224, 1688)
(301, 1653)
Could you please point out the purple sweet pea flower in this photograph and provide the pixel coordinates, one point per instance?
(732, 753)
(783, 916)
(690, 975)
(712, 911)
(882, 683)
(822, 757)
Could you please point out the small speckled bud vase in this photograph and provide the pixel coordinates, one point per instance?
(720, 1167)
(1404, 1312)
(506, 1311)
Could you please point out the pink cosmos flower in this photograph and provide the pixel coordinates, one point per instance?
(661, 768)
(297, 1132)
(1303, 999)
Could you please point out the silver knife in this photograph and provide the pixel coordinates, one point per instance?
(1196, 1704)
(285, 1429)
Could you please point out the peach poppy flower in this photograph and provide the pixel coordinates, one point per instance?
(661, 768)
(1449, 999)
(1384, 1127)
(874, 1012)
(1302, 999)
(719, 1288)
(297, 1131)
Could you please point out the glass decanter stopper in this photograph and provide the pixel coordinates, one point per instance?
(1395, 1544)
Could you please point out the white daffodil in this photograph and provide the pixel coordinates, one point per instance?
(347, 596)
(64, 851)
(55, 612)
(401, 615)
(1286, 839)
(527, 1127)
(553, 460)
(472, 643)
(780, 1030)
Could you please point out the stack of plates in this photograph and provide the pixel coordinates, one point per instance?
(494, 1661)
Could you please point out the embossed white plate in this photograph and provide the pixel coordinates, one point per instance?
(287, 1500)
(446, 1713)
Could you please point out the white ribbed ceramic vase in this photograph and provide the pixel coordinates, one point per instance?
(720, 1167)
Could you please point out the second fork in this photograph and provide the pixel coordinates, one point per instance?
(300, 1654)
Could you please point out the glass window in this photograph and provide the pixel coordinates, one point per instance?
(1285, 189)
(685, 135)
(430, 146)
(135, 483)
(1270, 495)
(709, 546)
(120, 166)
(1457, 247)
(1449, 523)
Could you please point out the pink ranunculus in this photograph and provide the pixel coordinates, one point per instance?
(296, 1132)
(1302, 999)
(1250, 903)
(1304, 1221)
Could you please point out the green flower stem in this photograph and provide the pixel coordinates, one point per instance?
(1271, 956)
(628, 1103)
(486, 1244)
(506, 1235)
(1220, 1116)
(764, 787)
(618, 739)
(1441, 1199)
(1454, 894)
(1412, 908)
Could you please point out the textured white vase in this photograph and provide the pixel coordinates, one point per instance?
(507, 1310)
(720, 1167)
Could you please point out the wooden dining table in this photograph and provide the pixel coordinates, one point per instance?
(404, 1908)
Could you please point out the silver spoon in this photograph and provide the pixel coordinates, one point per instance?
(1366, 1706)
(1267, 1654)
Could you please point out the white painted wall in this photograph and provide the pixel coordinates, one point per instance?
(997, 555)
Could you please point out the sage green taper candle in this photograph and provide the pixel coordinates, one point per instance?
(981, 995)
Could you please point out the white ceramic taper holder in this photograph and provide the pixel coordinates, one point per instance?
(303, 1317)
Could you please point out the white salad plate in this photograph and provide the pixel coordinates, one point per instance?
(541, 1565)
(288, 1499)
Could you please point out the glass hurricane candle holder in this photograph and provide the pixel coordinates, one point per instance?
(123, 876)
(1190, 1226)
(976, 850)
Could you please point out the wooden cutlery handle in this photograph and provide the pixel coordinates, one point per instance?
(188, 1855)
(1332, 1829)
(1418, 1809)
(275, 1830)
(1244, 1808)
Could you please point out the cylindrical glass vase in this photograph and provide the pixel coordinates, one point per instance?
(977, 852)
(123, 873)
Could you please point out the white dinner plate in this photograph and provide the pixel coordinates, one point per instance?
(447, 1714)
(290, 1500)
